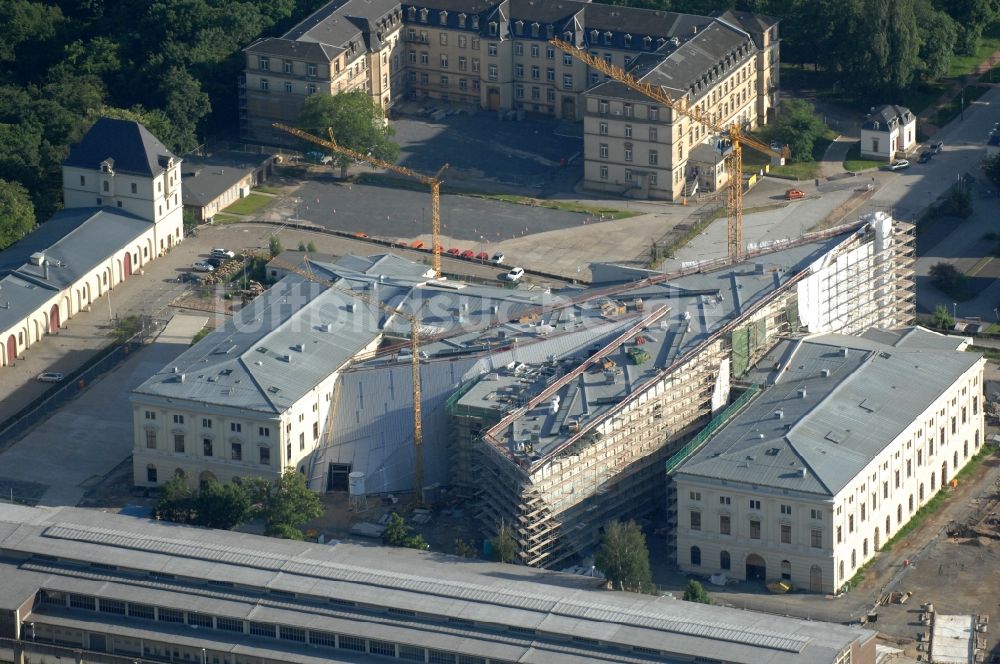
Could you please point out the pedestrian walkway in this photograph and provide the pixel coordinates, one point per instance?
(924, 118)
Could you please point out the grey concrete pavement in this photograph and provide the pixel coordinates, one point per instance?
(833, 159)
(90, 435)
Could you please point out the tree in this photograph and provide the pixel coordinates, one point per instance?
(464, 549)
(798, 126)
(623, 557)
(223, 506)
(938, 35)
(17, 214)
(397, 533)
(991, 167)
(289, 504)
(185, 105)
(357, 123)
(311, 247)
(176, 500)
(695, 592)
(274, 246)
(942, 320)
(302, 246)
(504, 545)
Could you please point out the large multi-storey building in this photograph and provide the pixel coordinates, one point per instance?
(122, 208)
(496, 55)
(89, 586)
(849, 439)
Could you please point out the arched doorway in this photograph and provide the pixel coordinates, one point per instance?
(954, 461)
(878, 540)
(696, 556)
(921, 496)
(888, 520)
(725, 562)
(816, 579)
(786, 570)
(944, 474)
(11, 350)
(899, 514)
(54, 319)
(205, 477)
(756, 568)
(38, 328)
(127, 262)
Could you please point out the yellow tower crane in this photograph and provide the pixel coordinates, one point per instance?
(434, 182)
(734, 160)
(418, 431)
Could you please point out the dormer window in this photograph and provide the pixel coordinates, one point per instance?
(493, 28)
(443, 17)
(475, 22)
(647, 41)
(628, 40)
(593, 36)
(607, 38)
(534, 29)
(519, 27)
(423, 15)
(461, 20)
(412, 13)
(550, 31)
(660, 42)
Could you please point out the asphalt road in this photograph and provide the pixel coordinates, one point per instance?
(401, 213)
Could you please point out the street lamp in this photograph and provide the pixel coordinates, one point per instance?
(954, 310)
(204, 656)
(32, 630)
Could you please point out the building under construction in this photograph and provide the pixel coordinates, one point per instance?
(557, 448)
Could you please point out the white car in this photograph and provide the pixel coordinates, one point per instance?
(222, 253)
(51, 377)
(202, 267)
(899, 165)
(498, 258)
(515, 274)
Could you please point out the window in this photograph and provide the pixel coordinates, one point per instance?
(150, 439)
(83, 602)
(206, 445)
(179, 443)
(462, 39)
(356, 644)
(725, 500)
(292, 634)
(424, 58)
(654, 158)
(695, 556)
(550, 75)
(229, 624)
(604, 172)
(534, 50)
(265, 432)
(462, 64)
(755, 530)
(475, 64)
(909, 468)
(652, 179)
(550, 95)
(602, 129)
(143, 611)
(627, 110)
(816, 514)
(311, 89)
(412, 57)
(567, 59)
(265, 63)
(550, 52)
(237, 451)
(863, 506)
(199, 619)
(178, 419)
(519, 49)
(112, 606)
(444, 81)
(265, 456)
(492, 73)
(206, 423)
(83, 181)
(816, 538)
(567, 81)
(755, 504)
(288, 87)
(695, 495)
(381, 648)
(786, 510)
(311, 70)
(850, 523)
(150, 415)
(263, 84)
(786, 533)
(519, 91)
(264, 629)
(840, 533)
(536, 72)
(410, 653)
(604, 150)
(444, 61)
(695, 520)
(725, 562)
(235, 427)
(288, 67)
(151, 476)
(288, 449)
(491, 50)
(628, 152)
(443, 38)
(170, 616)
(725, 527)
(652, 134)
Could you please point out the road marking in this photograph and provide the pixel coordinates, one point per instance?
(978, 267)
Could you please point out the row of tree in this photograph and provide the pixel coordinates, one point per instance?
(284, 504)
(871, 48)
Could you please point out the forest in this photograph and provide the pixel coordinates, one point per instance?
(173, 64)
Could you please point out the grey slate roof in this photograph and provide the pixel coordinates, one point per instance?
(485, 595)
(846, 419)
(73, 241)
(126, 142)
(886, 117)
(296, 50)
(698, 55)
(203, 179)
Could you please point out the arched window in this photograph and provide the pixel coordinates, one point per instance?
(841, 577)
(899, 514)
(151, 473)
(786, 570)
(921, 492)
(977, 441)
(854, 558)
(695, 556)
(886, 524)
(724, 561)
(864, 547)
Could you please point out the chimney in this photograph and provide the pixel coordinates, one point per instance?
(803, 472)
(825, 373)
(844, 352)
(45, 269)
(802, 393)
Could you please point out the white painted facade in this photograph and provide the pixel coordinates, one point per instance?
(889, 138)
(817, 542)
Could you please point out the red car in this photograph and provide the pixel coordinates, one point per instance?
(417, 244)
(482, 256)
(468, 253)
(454, 252)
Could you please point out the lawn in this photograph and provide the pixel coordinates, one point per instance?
(855, 163)
(803, 170)
(264, 189)
(248, 204)
(962, 65)
(568, 206)
(953, 109)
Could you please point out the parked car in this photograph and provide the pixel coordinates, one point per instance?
(925, 157)
(214, 262)
(201, 266)
(189, 278)
(937, 147)
(222, 253)
(899, 165)
(318, 157)
(468, 253)
(498, 258)
(515, 274)
(454, 251)
(51, 377)
(416, 244)
(794, 194)
(482, 256)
